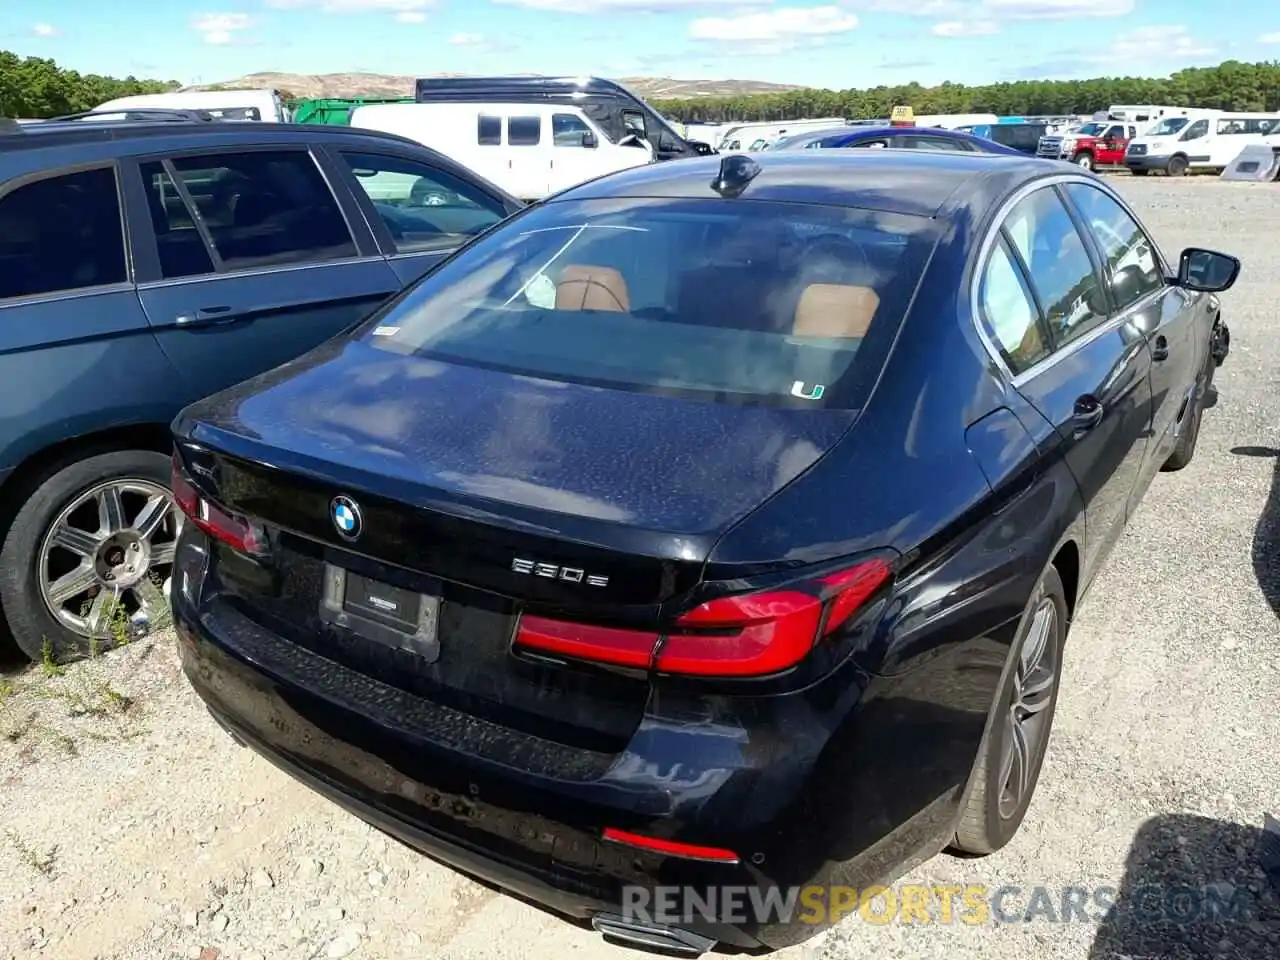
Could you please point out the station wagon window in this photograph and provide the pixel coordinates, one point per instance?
(524, 131)
(488, 130)
(1130, 254)
(1008, 314)
(1197, 130)
(61, 233)
(264, 208)
(761, 302)
(180, 247)
(1061, 272)
(567, 130)
(423, 208)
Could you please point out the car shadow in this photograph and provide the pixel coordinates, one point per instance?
(1266, 535)
(1195, 887)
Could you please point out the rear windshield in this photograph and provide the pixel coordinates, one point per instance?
(737, 301)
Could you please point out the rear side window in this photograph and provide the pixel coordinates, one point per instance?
(1062, 274)
(181, 249)
(753, 302)
(1009, 315)
(424, 208)
(488, 131)
(61, 233)
(267, 208)
(524, 131)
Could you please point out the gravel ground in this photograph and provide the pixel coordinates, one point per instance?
(133, 828)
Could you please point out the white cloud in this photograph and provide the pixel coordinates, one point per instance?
(965, 28)
(467, 39)
(1270, 37)
(44, 30)
(630, 6)
(785, 24)
(1056, 9)
(220, 29)
(406, 11)
(1157, 43)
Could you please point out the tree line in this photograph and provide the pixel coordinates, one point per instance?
(35, 87)
(1232, 85)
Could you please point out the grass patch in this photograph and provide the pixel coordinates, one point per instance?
(43, 861)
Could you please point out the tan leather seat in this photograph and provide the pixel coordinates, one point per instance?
(583, 287)
(835, 310)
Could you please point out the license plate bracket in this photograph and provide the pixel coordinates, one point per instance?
(382, 613)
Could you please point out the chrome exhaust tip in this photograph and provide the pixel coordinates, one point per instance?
(651, 936)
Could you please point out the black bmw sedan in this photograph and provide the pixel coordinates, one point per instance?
(713, 526)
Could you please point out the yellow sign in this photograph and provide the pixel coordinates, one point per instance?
(902, 117)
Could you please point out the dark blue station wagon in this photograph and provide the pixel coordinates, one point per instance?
(144, 265)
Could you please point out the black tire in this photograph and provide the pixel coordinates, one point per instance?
(1177, 166)
(35, 630)
(1138, 171)
(1083, 160)
(983, 828)
(1185, 449)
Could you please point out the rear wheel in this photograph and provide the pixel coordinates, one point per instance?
(84, 563)
(1013, 750)
(1084, 160)
(1177, 166)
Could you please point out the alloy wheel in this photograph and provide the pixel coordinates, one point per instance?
(104, 560)
(1026, 723)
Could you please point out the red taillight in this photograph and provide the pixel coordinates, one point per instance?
(217, 523)
(753, 634)
(670, 848)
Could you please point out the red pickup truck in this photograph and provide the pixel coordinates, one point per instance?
(1099, 143)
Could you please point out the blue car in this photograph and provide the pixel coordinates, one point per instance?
(909, 138)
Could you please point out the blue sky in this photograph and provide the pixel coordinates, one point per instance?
(854, 43)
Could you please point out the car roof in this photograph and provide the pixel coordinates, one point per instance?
(70, 133)
(914, 182)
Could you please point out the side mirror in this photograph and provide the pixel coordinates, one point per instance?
(589, 140)
(667, 144)
(700, 148)
(1206, 271)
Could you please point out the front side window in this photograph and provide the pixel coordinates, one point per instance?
(524, 131)
(266, 208)
(870, 144)
(1130, 254)
(61, 233)
(936, 144)
(423, 208)
(1197, 130)
(1062, 275)
(1008, 314)
(755, 302)
(1167, 127)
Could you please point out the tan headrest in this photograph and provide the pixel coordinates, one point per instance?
(592, 288)
(835, 310)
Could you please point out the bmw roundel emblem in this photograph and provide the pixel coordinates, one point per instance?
(346, 517)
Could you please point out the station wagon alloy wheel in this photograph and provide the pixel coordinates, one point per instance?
(104, 559)
(1027, 723)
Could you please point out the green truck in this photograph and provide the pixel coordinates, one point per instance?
(335, 111)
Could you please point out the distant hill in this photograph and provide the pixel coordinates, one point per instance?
(311, 85)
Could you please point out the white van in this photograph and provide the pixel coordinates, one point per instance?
(530, 150)
(753, 137)
(1204, 140)
(264, 105)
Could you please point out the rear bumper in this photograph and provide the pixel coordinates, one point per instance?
(834, 808)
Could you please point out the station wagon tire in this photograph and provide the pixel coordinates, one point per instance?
(55, 546)
(1177, 166)
(1083, 160)
(1012, 753)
